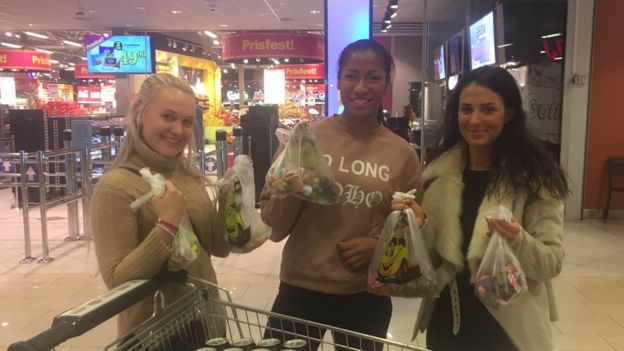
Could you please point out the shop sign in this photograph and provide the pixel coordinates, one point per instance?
(81, 72)
(24, 60)
(310, 71)
(238, 46)
(89, 95)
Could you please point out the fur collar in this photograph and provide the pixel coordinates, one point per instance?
(442, 202)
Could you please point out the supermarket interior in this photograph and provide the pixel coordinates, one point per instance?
(71, 69)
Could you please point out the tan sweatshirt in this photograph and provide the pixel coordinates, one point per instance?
(127, 244)
(369, 168)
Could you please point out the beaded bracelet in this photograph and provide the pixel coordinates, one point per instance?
(171, 226)
(166, 229)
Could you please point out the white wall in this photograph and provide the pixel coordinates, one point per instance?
(576, 100)
(407, 54)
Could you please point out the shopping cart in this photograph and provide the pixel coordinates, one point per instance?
(195, 319)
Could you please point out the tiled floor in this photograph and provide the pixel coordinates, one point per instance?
(590, 290)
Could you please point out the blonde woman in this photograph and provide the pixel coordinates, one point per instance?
(137, 245)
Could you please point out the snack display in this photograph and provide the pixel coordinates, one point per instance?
(302, 171)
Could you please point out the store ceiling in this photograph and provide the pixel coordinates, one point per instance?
(183, 19)
(163, 15)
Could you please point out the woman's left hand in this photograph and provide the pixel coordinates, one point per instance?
(509, 230)
(357, 252)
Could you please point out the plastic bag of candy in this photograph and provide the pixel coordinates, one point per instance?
(301, 170)
(400, 265)
(244, 228)
(500, 279)
(185, 246)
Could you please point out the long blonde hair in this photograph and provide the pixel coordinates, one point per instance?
(138, 108)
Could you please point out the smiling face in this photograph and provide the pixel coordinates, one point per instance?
(362, 84)
(167, 123)
(481, 116)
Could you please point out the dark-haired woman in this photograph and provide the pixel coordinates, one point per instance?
(325, 260)
(487, 158)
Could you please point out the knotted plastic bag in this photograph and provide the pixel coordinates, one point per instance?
(244, 228)
(301, 170)
(400, 265)
(500, 279)
(185, 247)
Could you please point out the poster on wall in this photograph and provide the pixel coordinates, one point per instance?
(541, 89)
(482, 42)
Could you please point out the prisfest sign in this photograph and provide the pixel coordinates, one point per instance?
(240, 46)
(25, 60)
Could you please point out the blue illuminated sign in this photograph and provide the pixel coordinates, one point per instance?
(119, 54)
(346, 21)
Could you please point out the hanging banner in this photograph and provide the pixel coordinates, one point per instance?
(310, 71)
(81, 72)
(24, 60)
(307, 47)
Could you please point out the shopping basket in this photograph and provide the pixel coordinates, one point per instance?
(198, 317)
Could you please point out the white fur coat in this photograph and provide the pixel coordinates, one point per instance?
(539, 247)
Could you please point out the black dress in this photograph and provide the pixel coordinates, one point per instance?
(479, 331)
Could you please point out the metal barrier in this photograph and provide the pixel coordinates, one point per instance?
(32, 170)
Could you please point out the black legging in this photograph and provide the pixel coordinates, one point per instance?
(361, 312)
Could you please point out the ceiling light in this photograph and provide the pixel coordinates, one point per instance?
(245, 61)
(83, 58)
(393, 15)
(211, 34)
(504, 45)
(106, 35)
(286, 60)
(17, 36)
(31, 25)
(72, 64)
(224, 25)
(54, 61)
(225, 70)
(176, 12)
(72, 43)
(140, 7)
(10, 45)
(44, 51)
(315, 12)
(8, 34)
(389, 26)
(215, 42)
(129, 25)
(393, 4)
(70, 68)
(36, 35)
(387, 20)
(233, 66)
(552, 35)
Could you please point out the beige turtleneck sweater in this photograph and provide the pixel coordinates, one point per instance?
(128, 245)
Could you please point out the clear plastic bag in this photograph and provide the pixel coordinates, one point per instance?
(500, 279)
(244, 228)
(185, 246)
(301, 169)
(400, 265)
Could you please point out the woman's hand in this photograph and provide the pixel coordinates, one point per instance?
(419, 213)
(171, 206)
(508, 230)
(357, 252)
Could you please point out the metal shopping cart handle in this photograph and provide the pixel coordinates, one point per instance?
(85, 317)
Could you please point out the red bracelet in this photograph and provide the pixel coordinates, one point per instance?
(168, 224)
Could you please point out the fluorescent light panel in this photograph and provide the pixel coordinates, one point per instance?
(36, 35)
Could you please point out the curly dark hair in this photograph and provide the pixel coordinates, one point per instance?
(519, 160)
